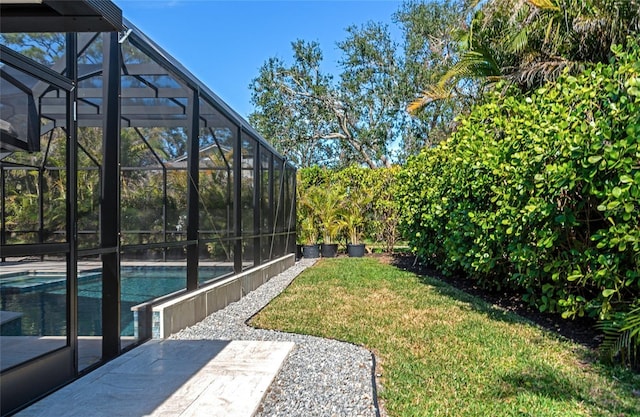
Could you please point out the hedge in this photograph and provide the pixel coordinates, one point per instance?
(539, 193)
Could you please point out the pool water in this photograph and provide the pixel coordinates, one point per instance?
(42, 297)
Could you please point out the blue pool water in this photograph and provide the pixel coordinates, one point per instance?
(41, 297)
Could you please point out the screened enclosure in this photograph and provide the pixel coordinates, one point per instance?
(124, 181)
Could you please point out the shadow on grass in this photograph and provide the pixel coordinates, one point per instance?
(548, 382)
(502, 306)
(474, 302)
(541, 379)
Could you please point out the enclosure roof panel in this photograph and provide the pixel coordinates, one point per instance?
(163, 58)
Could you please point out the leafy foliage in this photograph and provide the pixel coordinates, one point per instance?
(290, 111)
(311, 119)
(358, 201)
(539, 192)
(532, 42)
(35, 190)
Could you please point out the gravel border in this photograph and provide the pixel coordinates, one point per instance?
(320, 377)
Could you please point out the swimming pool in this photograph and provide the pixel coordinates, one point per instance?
(41, 298)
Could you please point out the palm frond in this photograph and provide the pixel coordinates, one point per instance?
(520, 42)
(621, 337)
(588, 24)
(544, 4)
(430, 94)
(539, 71)
(632, 322)
(477, 62)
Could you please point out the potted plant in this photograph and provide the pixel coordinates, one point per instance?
(309, 235)
(356, 205)
(329, 208)
(307, 224)
(353, 221)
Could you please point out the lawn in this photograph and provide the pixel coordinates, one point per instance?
(442, 352)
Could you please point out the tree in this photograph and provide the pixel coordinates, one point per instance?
(360, 117)
(311, 119)
(368, 89)
(540, 38)
(432, 32)
(291, 108)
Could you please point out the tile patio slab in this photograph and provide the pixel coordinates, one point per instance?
(173, 378)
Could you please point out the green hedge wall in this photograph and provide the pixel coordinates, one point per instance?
(539, 193)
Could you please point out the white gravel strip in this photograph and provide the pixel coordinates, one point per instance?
(321, 377)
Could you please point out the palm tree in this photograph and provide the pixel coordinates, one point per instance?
(530, 42)
(329, 208)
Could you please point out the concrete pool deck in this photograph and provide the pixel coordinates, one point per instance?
(173, 378)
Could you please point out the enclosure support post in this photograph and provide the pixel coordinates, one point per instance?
(257, 205)
(193, 147)
(237, 203)
(110, 197)
(272, 205)
(294, 212)
(72, 198)
(3, 212)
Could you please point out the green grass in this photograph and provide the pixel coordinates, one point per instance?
(443, 352)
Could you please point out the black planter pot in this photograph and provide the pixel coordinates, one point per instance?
(311, 251)
(329, 250)
(355, 251)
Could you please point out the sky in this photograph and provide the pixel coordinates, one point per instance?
(224, 42)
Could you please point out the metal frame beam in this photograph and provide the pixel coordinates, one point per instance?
(60, 16)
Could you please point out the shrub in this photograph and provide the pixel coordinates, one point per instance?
(539, 193)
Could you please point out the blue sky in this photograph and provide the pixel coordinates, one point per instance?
(224, 43)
